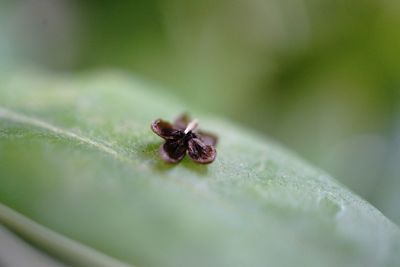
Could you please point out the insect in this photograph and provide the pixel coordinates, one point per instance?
(182, 137)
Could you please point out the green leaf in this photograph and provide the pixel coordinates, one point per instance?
(81, 179)
(14, 252)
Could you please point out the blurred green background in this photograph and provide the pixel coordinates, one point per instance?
(321, 77)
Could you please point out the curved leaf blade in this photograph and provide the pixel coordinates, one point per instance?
(77, 155)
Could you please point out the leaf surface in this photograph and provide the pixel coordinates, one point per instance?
(77, 157)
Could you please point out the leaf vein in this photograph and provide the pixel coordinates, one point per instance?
(29, 120)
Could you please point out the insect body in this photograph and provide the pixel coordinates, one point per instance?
(181, 138)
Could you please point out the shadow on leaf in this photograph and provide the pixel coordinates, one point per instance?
(150, 153)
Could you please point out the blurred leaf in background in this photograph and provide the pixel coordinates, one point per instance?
(320, 76)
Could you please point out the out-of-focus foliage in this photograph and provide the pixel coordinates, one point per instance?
(77, 156)
(320, 76)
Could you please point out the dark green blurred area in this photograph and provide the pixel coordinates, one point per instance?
(320, 76)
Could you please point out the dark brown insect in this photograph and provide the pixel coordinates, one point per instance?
(181, 138)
